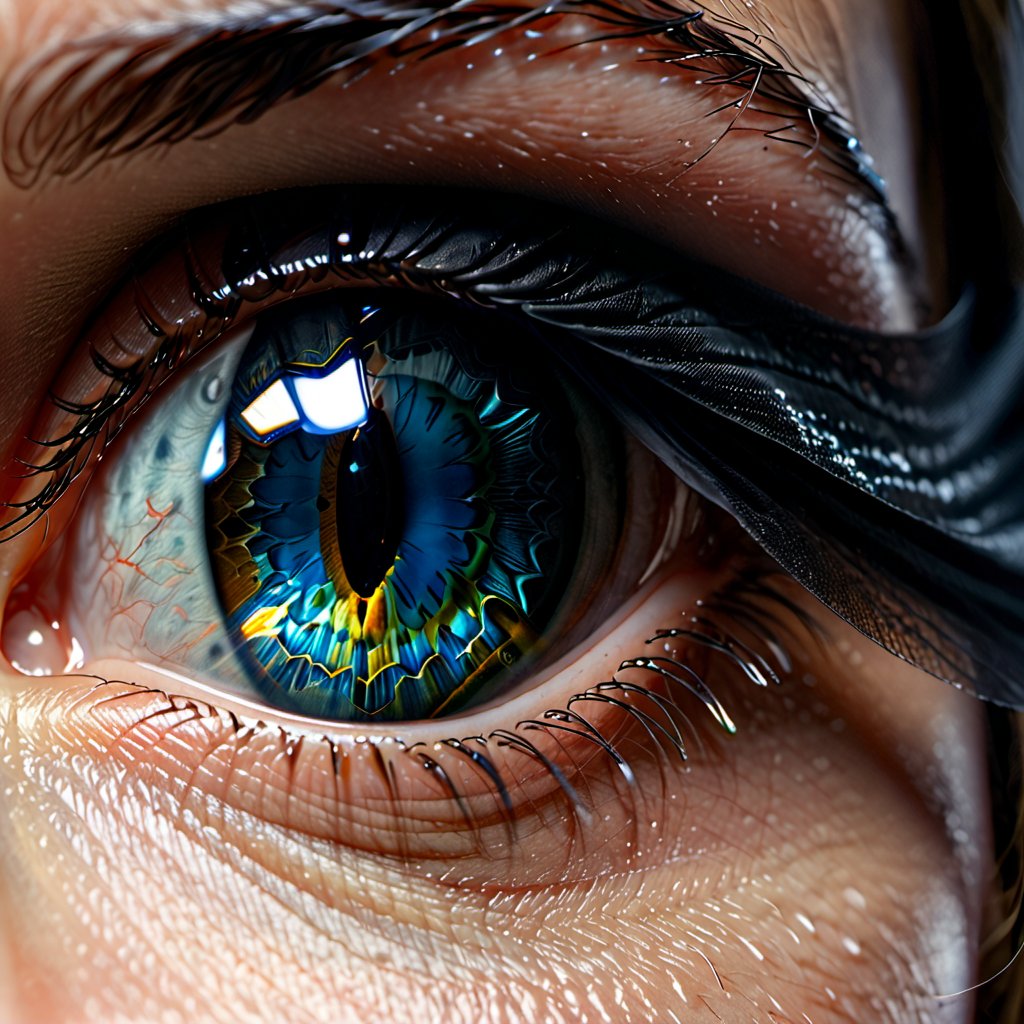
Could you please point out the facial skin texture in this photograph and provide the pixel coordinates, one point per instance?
(828, 863)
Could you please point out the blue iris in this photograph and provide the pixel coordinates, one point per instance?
(395, 569)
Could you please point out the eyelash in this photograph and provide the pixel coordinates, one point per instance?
(532, 273)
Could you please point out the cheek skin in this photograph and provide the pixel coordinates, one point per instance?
(789, 870)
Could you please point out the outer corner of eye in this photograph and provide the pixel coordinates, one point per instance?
(354, 519)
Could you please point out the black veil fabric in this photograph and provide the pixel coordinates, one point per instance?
(885, 473)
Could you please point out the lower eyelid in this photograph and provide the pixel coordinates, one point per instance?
(745, 849)
(427, 802)
(757, 849)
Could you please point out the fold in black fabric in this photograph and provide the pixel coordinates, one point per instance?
(884, 472)
(915, 538)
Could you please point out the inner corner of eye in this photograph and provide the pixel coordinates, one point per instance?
(358, 510)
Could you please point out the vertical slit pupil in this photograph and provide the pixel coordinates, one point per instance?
(370, 504)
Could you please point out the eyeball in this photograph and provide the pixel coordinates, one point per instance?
(361, 506)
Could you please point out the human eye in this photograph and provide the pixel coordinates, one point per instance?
(528, 713)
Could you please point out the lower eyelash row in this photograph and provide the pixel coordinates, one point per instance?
(746, 628)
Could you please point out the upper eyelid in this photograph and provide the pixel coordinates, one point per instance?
(215, 292)
(154, 85)
(501, 272)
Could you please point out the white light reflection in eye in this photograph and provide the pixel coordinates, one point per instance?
(271, 410)
(215, 460)
(335, 402)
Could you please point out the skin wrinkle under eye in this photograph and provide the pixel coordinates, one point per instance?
(309, 872)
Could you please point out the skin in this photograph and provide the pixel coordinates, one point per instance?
(826, 863)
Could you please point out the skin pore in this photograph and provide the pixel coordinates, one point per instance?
(828, 862)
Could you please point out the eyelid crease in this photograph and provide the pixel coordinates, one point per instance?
(154, 86)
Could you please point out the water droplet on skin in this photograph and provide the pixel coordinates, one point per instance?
(36, 644)
(855, 898)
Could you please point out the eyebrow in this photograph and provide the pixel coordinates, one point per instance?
(104, 97)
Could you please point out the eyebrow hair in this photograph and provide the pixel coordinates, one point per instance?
(117, 93)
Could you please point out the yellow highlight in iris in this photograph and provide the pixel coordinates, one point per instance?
(375, 625)
(264, 621)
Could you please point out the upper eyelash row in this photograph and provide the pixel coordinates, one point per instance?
(137, 103)
(406, 251)
(539, 271)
